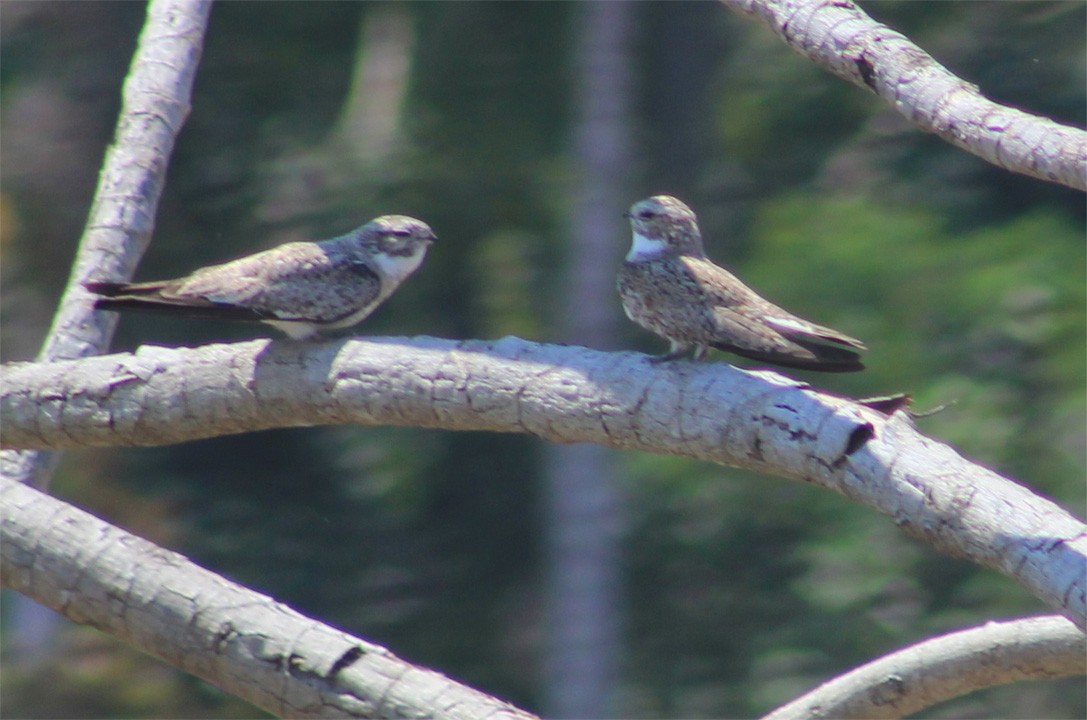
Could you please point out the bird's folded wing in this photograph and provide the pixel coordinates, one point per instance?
(316, 289)
(802, 330)
(753, 336)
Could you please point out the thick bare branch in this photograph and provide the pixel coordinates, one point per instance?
(155, 103)
(930, 672)
(239, 640)
(839, 36)
(710, 411)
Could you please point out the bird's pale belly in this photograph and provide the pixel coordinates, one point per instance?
(656, 308)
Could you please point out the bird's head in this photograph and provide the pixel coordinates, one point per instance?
(661, 225)
(397, 243)
(398, 235)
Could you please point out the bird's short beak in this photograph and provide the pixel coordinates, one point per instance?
(626, 214)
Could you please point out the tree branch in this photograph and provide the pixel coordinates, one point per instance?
(709, 411)
(239, 640)
(155, 103)
(840, 37)
(930, 672)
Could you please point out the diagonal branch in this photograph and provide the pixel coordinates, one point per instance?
(930, 672)
(155, 103)
(239, 640)
(840, 37)
(710, 411)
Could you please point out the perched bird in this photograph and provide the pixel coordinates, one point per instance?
(671, 288)
(300, 288)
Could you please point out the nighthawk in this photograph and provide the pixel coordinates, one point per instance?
(300, 288)
(671, 288)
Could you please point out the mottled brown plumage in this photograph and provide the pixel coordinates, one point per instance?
(301, 288)
(671, 288)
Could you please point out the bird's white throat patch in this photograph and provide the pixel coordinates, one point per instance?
(642, 247)
(398, 267)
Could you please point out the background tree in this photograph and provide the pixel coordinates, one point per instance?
(584, 501)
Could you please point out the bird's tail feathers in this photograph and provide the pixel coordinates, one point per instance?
(806, 346)
(117, 289)
(813, 356)
(148, 297)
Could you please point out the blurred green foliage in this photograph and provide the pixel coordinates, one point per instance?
(966, 282)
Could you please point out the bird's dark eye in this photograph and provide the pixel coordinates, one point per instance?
(646, 214)
(401, 233)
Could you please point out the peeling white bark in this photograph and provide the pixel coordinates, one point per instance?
(243, 642)
(840, 37)
(710, 411)
(930, 672)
